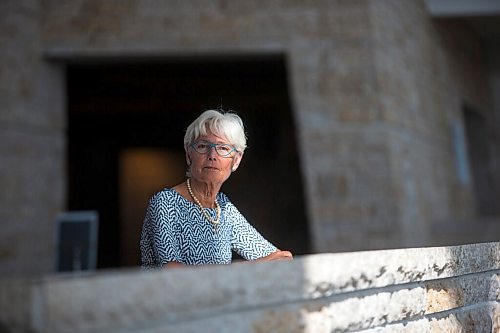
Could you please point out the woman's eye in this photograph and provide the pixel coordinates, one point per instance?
(201, 146)
(224, 148)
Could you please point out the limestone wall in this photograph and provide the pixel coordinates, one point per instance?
(445, 289)
(32, 142)
(425, 77)
(375, 86)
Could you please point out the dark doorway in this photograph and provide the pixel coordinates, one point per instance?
(136, 111)
(478, 147)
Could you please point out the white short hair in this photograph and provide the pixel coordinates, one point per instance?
(225, 124)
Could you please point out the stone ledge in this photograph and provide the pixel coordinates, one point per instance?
(370, 269)
(481, 318)
(331, 292)
(443, 295)
(352, 312)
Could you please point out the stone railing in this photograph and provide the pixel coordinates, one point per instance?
(444, 289)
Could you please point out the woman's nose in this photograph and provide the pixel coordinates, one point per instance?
(212, 153)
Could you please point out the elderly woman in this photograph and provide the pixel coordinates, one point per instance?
(193, 223)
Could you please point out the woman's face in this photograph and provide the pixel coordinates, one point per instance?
(211, 167)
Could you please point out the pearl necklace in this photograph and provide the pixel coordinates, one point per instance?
(203, 210)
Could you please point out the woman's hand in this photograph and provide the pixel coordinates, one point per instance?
(278, 255)
(173, 264)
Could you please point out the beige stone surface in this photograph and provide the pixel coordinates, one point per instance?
(496, 315)
(32, 144)
(470, 320)
(375, 88)
(318, 293)
(443, 295)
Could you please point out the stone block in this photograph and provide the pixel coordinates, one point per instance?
(20, 301)
(30, 200)
(447, 294)
(425, 287)
(496, 315)
(344, 314)
(478, 319)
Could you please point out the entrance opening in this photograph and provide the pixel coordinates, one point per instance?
(126, 123)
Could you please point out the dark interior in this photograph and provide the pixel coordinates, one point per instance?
(115, 104)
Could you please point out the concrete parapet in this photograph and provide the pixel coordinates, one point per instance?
(452, 289)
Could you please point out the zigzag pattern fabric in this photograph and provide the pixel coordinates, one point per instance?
(174, 229)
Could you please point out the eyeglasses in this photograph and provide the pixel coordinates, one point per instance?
(222, 149)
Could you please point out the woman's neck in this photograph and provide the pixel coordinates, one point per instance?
(205, 192)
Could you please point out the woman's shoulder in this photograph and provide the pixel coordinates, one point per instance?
(167, 201)
(226, 203)
(166, 194)
(223, 199)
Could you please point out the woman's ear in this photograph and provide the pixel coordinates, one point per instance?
(188, 159)
(236, 162)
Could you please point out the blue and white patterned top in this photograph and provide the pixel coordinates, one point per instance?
(175, 229)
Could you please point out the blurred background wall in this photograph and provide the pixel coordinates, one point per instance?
(372, 123)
